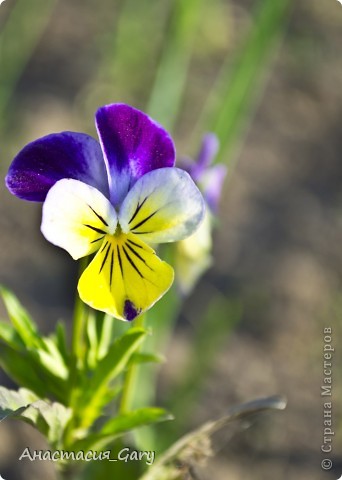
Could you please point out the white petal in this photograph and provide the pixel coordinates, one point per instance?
(163, 206)
(77, 217)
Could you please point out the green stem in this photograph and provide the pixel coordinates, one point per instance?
(130, 377)
(77, 339)
(76, 359)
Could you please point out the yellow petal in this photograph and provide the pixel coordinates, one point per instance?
(125, 278)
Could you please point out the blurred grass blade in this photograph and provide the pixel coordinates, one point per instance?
(128, 48)
(171, 75)
(230, 104)
(18, 39)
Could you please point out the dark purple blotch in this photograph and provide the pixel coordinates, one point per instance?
(130, 311)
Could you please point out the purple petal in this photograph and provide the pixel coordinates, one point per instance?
(43, 162)
(133, 144)
(211, 185)
(206, 155)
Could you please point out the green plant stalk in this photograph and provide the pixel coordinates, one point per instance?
(230, 104)
(18, 40)
(129, 386)
(170, 82)
(79, 321)
(77, 351)
(161, 319)
(213, 330)
(77, 339)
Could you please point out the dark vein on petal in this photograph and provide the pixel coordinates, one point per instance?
(144, 221)
(137, 210)
(139, 256)
(98, 230)
(140, 233)
(136, 244)
(132, 263)
(97, 239)
(99, 216)
(120, 261)
(105, 258)
(111, 268)
(104, 246)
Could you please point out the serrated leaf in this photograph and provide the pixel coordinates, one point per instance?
(18, 404)
(56, 416)
(49, 418)
(20, 319)
(13, 403)
(107, 370)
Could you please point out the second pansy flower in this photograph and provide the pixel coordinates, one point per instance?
(115, 199)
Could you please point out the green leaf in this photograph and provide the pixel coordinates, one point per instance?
(49, 418)
(22, 369)
(51, 358)
(108, 368)
(92, 340)
(32, 361)
(10, 336)
(12, 404)
(61, 342)
(137, 418)
(122, 424)
(25, 369)
(56, 416)
(105, 335)
(20, 319)
(145, 357)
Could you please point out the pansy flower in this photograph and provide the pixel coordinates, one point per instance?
(114, 198)
(193, 255)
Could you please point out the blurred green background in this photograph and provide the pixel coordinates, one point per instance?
(266, 77)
